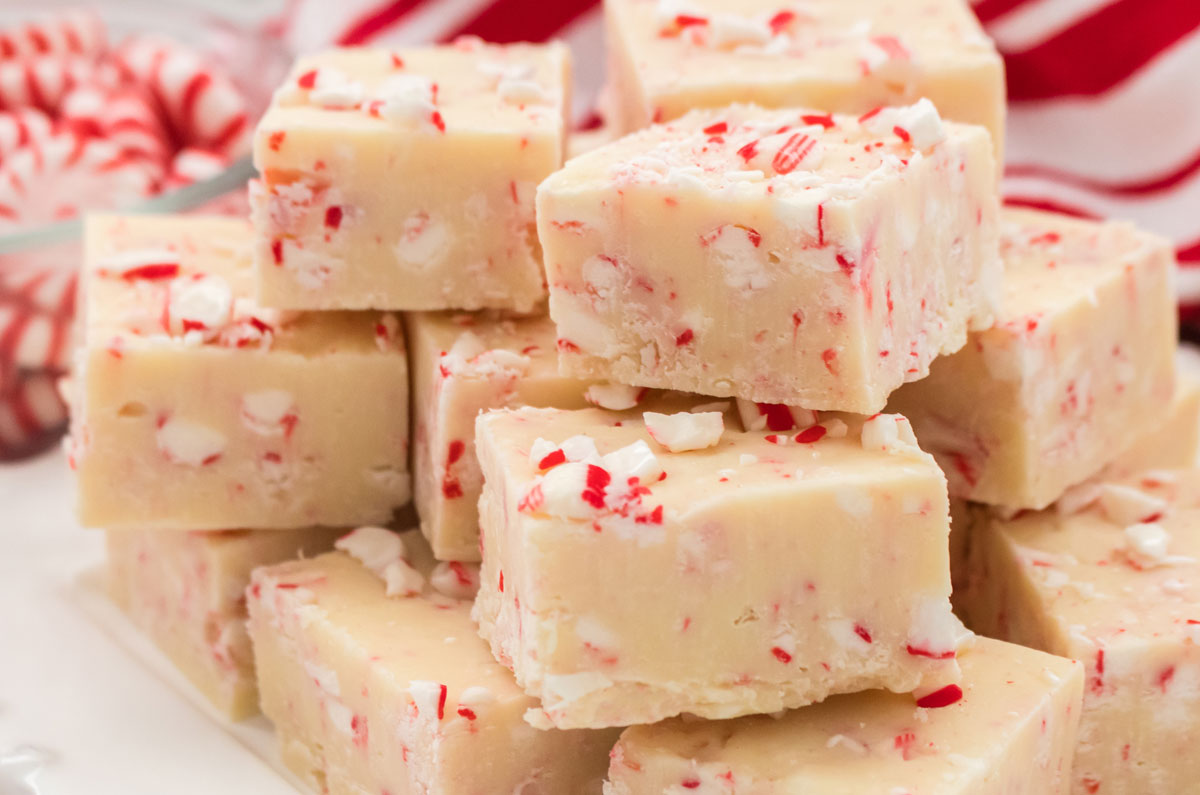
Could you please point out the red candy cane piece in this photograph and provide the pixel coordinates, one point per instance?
(125, 116)
(195, 165)
(66, 174)
(24, 127)
(202, 105)
(42, 81)
(31, 414)
(71, 32)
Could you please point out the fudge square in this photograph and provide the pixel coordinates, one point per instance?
(745, 572)
(196, 409)
(1113, 583)
(847, 56)
(377, 681)
(405, 179)
(1011, 729)
(186, 592)
(1081, 361)
(782, 256)
(463, 364)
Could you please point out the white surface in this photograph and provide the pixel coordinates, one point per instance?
(87, 706)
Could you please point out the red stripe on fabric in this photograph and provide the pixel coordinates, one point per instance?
(523, 20)
(1190, 253)
(1051, 205)
(987, 10)
(1155, 184)
(1101, 50)
(370, 25)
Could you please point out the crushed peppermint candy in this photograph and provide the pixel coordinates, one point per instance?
(1125, 505)
(374, 547)
(455, 579)
(919, 124)
(889, 433)
(685, 431)
(614, 397)
(1146, 545)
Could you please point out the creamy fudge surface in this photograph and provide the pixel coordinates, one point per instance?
(468, 129)
(782, 256)
(1081, 355)
(372, 692)
(194, 408)
(1174, 441)
(668, 57)
(463, 364)
(186, 592)
(624, 583)
(1012, 731)
(1108, 577)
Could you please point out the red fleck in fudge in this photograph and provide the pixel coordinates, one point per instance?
(186, 592)
(748, 572)
(1082, 351)
(405, 179)
(848, 56)
(1011, 729)
(1110, 579)
(781, 256)
(195, 408)
(463, 364)
(377, 681)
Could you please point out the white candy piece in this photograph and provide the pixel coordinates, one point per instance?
(562, 492)
(126, 262)
(1147, 544)
(580, 448)
(189, 443)
(614, 397)
(890, 433)
(635, 460)
(685, 431)
(401, 579)
(1126, 505)
(263, 412)
(334, 89)
(374, 547)
(203, 304)
(455, 579)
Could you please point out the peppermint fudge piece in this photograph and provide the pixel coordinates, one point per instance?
(405, 179)
(1110, 578)
(1174, 442)
(782, 256)
(464, 364)
(377, 681)
(847, 56)
(1080, 357)
(196, 409)
(1011, 729)
(635, 569)
(186, 592)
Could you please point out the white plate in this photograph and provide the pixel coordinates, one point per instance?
(87, 704)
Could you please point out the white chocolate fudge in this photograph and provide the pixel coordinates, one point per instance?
(624, 583)
(1174, 442)
(1112, 579)
(397, 694)
(780, 256)
(196, 409)
(186, 592)
(405, 179)
(1077, 366)
(463, 364)
(848, 56)
(1011, 729)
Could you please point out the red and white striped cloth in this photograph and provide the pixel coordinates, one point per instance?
(1104, 121)
(1104, 115)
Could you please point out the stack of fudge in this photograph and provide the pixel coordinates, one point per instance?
(684, 420)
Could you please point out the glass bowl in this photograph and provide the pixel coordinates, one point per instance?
(238, 37)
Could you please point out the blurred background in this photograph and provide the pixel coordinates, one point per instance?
(148, 104)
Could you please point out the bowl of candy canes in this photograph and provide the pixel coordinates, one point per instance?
(131, 105)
